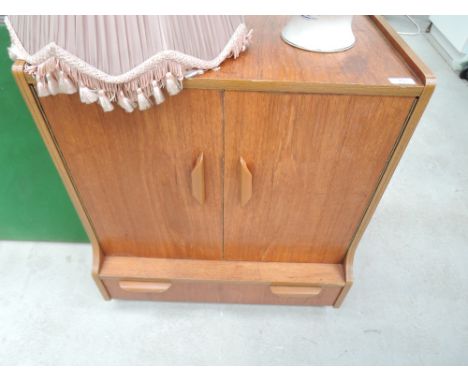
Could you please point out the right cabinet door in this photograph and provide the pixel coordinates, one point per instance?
(300, 170)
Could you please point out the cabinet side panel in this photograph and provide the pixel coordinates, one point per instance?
(315, 162)
(133, 172)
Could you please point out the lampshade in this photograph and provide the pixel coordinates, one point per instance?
(127, 60)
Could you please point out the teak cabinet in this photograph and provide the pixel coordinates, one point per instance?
(254, 184)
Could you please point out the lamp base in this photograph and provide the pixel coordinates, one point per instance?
(320, 33)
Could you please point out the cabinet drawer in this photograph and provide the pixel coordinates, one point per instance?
(216, 291)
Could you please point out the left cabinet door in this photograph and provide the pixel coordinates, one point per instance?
(133, 172)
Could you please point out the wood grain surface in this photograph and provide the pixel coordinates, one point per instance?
(133, 172)
(411, 124)
(272, 65)
(139, 268)
(315, 162)
(216, 292)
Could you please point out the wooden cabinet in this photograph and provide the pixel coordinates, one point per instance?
(255, 184)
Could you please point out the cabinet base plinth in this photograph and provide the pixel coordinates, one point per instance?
(222, 281)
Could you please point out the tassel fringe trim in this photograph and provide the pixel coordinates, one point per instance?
(58, 71)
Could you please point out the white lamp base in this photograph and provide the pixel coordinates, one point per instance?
(320, 33)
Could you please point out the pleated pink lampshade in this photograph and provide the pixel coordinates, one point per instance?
(124, 59)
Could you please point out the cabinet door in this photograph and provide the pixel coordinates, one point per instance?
(314, 163)
(132, 172)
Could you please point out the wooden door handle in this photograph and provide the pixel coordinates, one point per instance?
(245, 182)
(198, 180)
(295, 291)
(144, 286)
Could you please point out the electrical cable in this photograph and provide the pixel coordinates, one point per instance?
(411, 33)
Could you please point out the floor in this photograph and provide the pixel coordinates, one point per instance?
(409, 304)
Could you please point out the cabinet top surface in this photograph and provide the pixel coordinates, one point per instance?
(373, 61)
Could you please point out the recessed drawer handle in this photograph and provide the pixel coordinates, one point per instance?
(198, 180)
(295, 291)
(144, 286)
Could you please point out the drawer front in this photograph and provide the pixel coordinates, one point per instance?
(215, 291)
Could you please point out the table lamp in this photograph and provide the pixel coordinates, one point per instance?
(319, 33)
